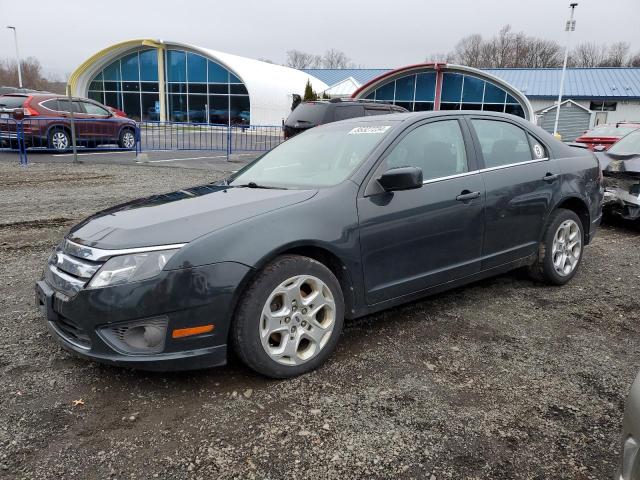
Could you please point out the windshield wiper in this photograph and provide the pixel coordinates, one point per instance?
(255, 185)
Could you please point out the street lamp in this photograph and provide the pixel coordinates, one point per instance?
(15, 37)
(570, 27)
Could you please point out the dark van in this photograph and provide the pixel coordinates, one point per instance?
(311, 114)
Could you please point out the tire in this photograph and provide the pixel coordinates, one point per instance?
(59, 139)
(277, 330)
(550, 266)
(127, 139)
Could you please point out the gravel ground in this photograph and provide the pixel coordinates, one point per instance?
(505, 378)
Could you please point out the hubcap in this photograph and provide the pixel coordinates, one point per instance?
(128, 140)
(566, 248)
(297, 320)
(60, 141)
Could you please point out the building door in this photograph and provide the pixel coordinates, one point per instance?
(601, 118)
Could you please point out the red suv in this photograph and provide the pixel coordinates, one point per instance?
(46, 122)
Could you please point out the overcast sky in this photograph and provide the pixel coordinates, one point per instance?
(373, 33)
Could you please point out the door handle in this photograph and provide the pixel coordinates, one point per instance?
(550, 177)
(467, 195)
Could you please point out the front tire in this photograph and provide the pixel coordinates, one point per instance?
(560, 251)
(127, 139)
(290, 317)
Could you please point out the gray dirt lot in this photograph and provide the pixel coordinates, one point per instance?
(505, 378)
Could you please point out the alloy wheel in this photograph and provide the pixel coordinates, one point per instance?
(60, 141)
(566, 247)
(128, 139)
(297, 320)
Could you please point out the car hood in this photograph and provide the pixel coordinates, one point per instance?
(180, 216)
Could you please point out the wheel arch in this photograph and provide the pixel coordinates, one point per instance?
(578, 206)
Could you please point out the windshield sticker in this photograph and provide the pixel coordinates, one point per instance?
(364, 130)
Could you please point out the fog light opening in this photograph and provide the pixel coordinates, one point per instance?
(141, 337)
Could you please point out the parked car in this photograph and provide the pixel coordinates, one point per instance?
(46, 122)
(621, 170)
(630, 458)
(343, 220)
(602, 137)
(311, 114)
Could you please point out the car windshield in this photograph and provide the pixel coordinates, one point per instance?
(609, 131)
(628, 144)
(320, 157)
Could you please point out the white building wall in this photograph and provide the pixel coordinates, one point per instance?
(625, 109)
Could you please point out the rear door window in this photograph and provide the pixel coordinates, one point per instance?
(349, 111)
(502, 143)
(10, 101)
(65, 105)
(51, 104)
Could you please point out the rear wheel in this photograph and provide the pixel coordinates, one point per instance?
(561, 249)
(289, 319)
(127, 139)
(59, 140)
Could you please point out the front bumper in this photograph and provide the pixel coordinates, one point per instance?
(187, 297)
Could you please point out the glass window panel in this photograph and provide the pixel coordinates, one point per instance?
(425, 86)
(471, 106)
(197, 87)
(218, 109)
(198, 108)
(112, 86)
(493, 94)
(511, 99)
(112, 72)
(371, 96)
(176, 66)
(149, 66)
(238, 89)
(149, 86)
(404, 89)
(451, 87)
(385, 92)
(233, 78)
(493, 107)
(96, 83)
(97, 96)
(150, 107)
(502, 143)
(217, 74)
(407, 105)
(516, 110)
(196, 68)
(437, 148)
(177, 88)
(129, 67)
(177, 107)
(423, 106)
(472, 90)
(113, 99)
(132, 105)
(240, 110)
(449, 106)
(130, 86)
(219, 88)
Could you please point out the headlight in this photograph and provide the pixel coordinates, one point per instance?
(131, 268)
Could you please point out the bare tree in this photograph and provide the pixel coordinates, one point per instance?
(32, 75)
(335, 59)
(441, 57)
(617, 55)
(588, 54)
(298, 59)
(634, 60)
(468, 51)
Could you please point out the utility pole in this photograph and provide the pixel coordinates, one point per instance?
(570, 27)
(15, 38)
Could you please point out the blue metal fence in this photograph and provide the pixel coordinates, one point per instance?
(55, 134)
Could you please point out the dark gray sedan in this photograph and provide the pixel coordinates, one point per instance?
(341, 221)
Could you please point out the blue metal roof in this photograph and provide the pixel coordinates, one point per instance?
(533, 82)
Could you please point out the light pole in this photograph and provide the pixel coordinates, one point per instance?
(15, 37)
(570, 27)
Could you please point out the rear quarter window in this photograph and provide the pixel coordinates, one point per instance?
(9, 101)
(308, 114)
(348, 111)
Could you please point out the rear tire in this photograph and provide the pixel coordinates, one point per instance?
(289, 318)
(59, 139)
(560, 251)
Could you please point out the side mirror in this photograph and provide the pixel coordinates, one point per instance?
(401, 178)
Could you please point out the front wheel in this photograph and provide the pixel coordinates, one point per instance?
(59, 140)
(561, 248)
(290, 317)
(127, 139)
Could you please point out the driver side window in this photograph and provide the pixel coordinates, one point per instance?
(437, 148)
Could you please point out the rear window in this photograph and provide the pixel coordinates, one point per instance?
(308, 114)
(609, 131)
(9, 101)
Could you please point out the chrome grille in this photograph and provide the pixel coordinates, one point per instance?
(68, 270)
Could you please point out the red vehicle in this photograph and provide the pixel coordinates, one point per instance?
(602, 137)
(46, 122)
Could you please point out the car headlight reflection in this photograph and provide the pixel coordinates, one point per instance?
(131, 268)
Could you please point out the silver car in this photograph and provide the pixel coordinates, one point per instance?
(630, 465)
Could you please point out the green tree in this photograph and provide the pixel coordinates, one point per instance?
(309, 94)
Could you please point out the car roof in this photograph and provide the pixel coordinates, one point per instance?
(410, 116)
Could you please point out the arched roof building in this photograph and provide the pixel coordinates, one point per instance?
(161, 80)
